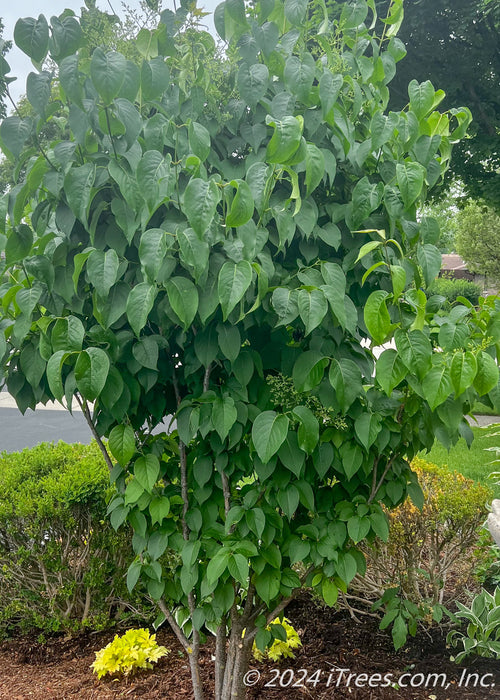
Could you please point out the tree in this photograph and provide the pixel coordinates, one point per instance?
(455, 44)
(230, 255)
(4, 70)
(477, 239)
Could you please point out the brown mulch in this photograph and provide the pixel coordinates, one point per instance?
(60, 668)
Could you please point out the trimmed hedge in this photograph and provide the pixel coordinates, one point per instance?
(450, 289)
(62, 566)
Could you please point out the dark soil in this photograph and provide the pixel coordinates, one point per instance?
(60, 668)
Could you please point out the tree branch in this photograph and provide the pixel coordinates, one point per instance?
(86, 412)
(175, 627)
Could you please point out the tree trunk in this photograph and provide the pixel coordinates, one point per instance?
(195, 676)
(237, 663)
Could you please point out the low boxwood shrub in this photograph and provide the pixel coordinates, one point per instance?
(451, 289)
(62, 566)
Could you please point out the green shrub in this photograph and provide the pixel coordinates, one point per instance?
(61, 564)
(451, 289)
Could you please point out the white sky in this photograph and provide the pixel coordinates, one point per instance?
(11, 11)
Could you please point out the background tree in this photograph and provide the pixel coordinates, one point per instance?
(230, 254)
(4, 71)
(477, 239)
(455, 45)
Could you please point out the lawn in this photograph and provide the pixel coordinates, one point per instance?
(474, 463)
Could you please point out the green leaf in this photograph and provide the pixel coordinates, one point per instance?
(259, 180)
(267, 584)
(159, 508)
(429, 258)
(329, 591)
(152, 251)
(390, 370)
(194, 252)
(398, 277)
(155, 77)
(32, 37)
(38, 90)
(345, 377)
(183, 298)
(238, 568)
(224, 415)
(66, 37)
(376, 316)
(19, 244)
(308, 432)
(415, 350)
(437, 385)
(27, 298)
(368, 248)
(78, 185)
(285, 302)
(91, 372)
(139, 304)
(358, 528)
(242, 205)
(234, 280)
(308, 370)
(217, 565)
(486, 378)
(200, 203)
(146, 352)
(410, 178)
(14, 131)
(367, 427)
(107, 71)
(252, 82)
(133, 575)
(256, 521)
(54, 374)
(295, 11)
(67, 334)
(122, 443)
(315, 168)
(312, 308)
(285, 140)
(380, 525)
(299, 76)
(147, 471)
(153, 176)
(269, 431)
(421, 98)
(69, 77)
(229, 341)
(199, 140)
(291, 455)
(329, 88)
(288, 500)
(102, 270)
(463, 369)
(399, 632)
(453, 335)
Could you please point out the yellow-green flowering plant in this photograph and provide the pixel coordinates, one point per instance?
(132, 651)
(280, 648)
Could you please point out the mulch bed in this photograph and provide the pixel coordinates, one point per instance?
(60, 668)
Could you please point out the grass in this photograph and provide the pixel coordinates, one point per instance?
(474, 463)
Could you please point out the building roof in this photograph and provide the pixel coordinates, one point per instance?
(453, 262)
